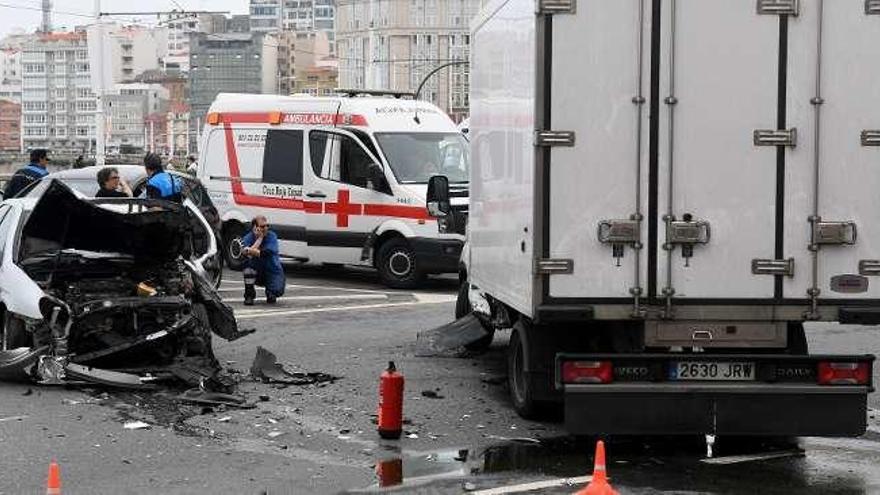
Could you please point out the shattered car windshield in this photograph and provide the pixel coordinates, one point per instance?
(415, 157)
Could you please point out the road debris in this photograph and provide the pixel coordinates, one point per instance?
(136, 425)
(267, 369)
(432, 394)
(12, 418)
(205, 397)
(451, 339)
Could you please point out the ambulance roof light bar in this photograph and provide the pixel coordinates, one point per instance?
(374, 92)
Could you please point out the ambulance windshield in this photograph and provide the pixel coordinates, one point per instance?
(415, 157)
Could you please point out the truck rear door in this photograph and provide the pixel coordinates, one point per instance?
(834, 102)
(597, 175)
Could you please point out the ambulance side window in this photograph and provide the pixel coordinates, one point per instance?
(317, 147)
(283, 157)
(346, 159)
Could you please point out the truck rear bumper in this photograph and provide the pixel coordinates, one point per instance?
(657, 409)
(648, 396)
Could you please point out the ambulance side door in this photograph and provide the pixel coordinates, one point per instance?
(342, 181)
(282, 187)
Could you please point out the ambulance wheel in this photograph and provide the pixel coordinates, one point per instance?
(521, 393)
(232, 245)
(397, 265)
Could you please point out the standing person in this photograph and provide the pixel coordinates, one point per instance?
(79, 162)
(111, 184)
(161, 184)
(263, 264)
(24, 176)
(191, 166)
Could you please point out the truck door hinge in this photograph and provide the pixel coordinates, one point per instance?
(872, 7)
(778, 7)
(869, 267)
(551, 7)
(773, 267)
(550, 266)
(554, 138)
(870, 138)
(772, 137)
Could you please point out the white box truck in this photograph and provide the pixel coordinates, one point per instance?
(663, 192)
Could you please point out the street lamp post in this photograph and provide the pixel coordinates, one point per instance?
(434, 71)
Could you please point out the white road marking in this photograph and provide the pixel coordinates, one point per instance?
(340, 289)
(259, 313)
(536, 485)
(351, 297)
(737, 459)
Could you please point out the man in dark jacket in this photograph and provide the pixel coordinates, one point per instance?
(24, 176)
(161, 184)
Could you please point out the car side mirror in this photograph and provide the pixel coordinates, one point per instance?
(437, 197)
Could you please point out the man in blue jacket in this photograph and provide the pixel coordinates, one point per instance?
(24, 176)
(263, 263)
(161, 184)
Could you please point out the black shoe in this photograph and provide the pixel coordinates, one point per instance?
(270, 299)
(248, 301)
(250, 293)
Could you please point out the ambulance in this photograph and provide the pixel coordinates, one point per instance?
(341, 179)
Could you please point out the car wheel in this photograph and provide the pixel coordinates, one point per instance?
(397, 264)
(462, 309)
(14, 333)
(232, 246)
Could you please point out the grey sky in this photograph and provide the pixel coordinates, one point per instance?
(15, 15)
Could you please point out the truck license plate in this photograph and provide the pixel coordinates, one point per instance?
(708, 370)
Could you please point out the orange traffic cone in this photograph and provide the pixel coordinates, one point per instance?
(599, 484)
(53, 485)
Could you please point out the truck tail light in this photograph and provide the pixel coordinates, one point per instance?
(587, 372)
(831, 373)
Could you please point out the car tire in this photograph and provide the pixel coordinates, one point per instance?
(232, 234)
(462, 309)
(397, 265)
(14, 333)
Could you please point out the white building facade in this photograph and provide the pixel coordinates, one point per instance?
(58, 105)
(10, 74)
(395, 44)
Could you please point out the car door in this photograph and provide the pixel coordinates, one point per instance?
(336, 195)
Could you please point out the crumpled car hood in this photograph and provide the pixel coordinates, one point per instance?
(61, 220)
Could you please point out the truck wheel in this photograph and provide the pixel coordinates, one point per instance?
(462, 309)
(521, 392)
(232, 234)
(397, 264)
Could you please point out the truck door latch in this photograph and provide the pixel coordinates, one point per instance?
(686, 233)
(620, 233)
(832, 233)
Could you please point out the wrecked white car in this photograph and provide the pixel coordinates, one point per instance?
(107, 291)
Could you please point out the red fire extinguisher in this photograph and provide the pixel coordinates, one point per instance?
(390, 403)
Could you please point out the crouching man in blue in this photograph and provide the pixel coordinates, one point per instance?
(262, 265)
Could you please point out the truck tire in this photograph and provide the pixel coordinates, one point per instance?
(397, 265)
(521, 393)
(462, 309)
(232, 233)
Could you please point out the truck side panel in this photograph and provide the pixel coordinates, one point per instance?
(502, 175)
(848, 170)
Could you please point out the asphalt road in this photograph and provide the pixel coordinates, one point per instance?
(321, 438)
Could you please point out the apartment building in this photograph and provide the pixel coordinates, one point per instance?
(10, 74)
(58, 105)
(266, 15)
(136, 49)
(180, 25)
(394, 44)
(229, 63)
(10, 125)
